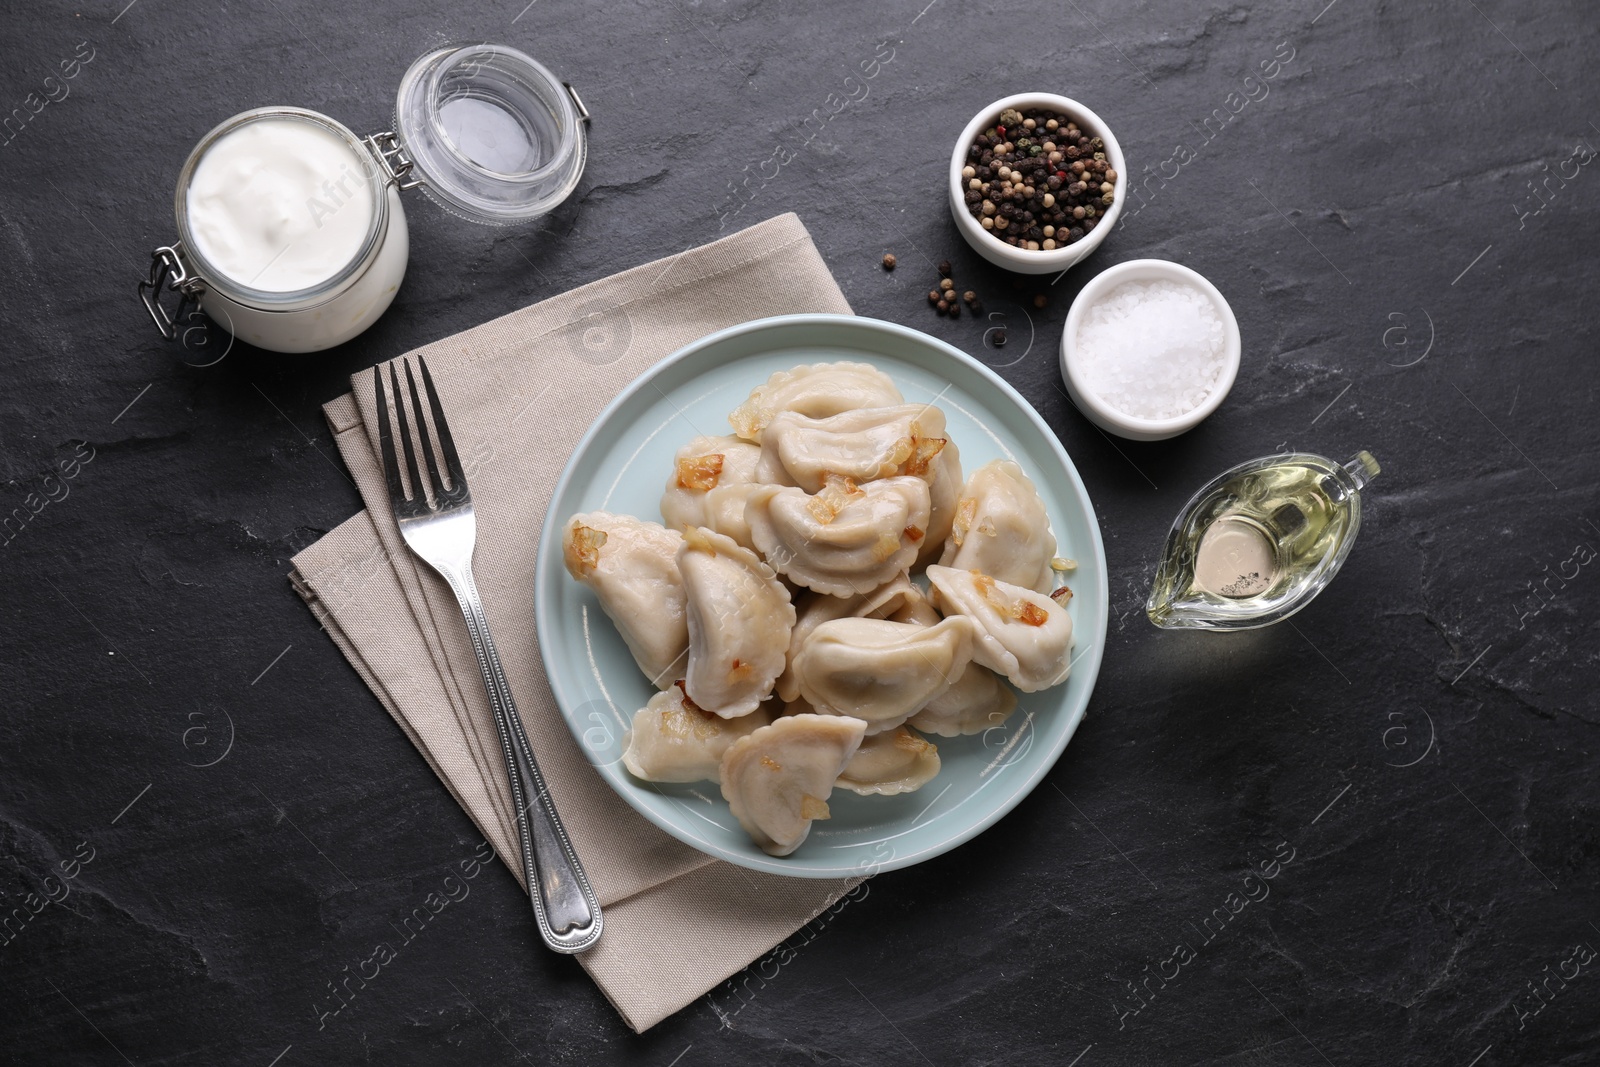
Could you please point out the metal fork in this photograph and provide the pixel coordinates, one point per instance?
(438, 525)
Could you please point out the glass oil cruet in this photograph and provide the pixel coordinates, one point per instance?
(1259, 542)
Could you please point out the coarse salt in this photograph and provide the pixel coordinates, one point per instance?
(1152, 350)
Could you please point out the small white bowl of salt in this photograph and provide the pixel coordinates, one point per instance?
(1150, 349)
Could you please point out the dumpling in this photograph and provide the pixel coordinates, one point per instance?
(896, 761)
(861, 445)
(740, 618)
(897, 599)
(778, 779)
(847, 539)
(1024, 635)
(1002, 530)
(816, 390)
(880, 671)
(944, 487)
(977, 701)
(912, 606)
(632, 566)
(674, 740)
(697, 492)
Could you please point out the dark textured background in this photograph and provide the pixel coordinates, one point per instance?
(1422, 737)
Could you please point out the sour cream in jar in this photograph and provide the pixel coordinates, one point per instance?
(295, 227)
(280, 204)
(291, 233)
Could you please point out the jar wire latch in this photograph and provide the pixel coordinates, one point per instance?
(577, 102)
(391, 155)
(167, 271)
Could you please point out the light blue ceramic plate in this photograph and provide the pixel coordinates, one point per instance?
(622, 464)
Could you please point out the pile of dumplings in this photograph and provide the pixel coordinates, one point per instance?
(774, 607)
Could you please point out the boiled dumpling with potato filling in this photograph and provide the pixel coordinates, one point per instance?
(1023, 635)
(895, 599)
(844, 540)
(777, 780)
(707, 487)
(977, 701)
(1001, 529)
(632, 567)
(674, 740)
(888, 764)
(739, 617)
(816, 390)
(861, 445)
(880, 671)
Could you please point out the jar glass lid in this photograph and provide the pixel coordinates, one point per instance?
(492, 134)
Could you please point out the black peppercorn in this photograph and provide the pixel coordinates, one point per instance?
(933, 296)
(955, 311)
(944, 269)
(998, 337)
(1040, 301)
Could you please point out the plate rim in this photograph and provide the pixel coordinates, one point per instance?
(546, 571)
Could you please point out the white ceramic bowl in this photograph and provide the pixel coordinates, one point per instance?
(1104, 415)
(997, 251)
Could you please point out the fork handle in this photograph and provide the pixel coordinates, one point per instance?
(564, 903)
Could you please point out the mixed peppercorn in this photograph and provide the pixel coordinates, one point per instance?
(944, 298)
(1036, 181)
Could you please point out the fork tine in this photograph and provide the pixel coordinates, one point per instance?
(422, 432)
(458, 479)
(391, 466)
(419, 491)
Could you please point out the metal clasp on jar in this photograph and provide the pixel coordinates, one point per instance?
(391, 155)
(168, 272)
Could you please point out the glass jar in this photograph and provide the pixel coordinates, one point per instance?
(484, 130)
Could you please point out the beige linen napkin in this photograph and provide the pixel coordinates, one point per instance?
(519, 392)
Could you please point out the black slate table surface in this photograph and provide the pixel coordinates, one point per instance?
(1404, 219)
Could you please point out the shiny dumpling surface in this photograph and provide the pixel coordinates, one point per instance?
(893, 599)
(862, 445)
(1023, 635)
(977, 701)
(778, 779)
(880, 671)
(739, 618)
(890, 763)
(814, 389)
(674, 740)
(845, 540)
(1001, 529)
(632, 567)
(701, 467)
